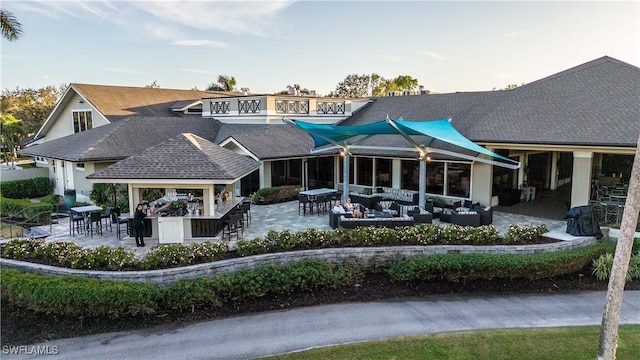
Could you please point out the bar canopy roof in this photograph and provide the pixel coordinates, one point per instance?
(329, 137)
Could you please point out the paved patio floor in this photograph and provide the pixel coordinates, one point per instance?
(277, 217)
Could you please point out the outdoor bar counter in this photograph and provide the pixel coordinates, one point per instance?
(177, 229)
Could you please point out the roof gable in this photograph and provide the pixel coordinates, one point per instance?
(186, 156)
(124, 138)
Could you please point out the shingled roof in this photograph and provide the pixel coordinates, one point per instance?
(122, 139)
(268, 141)
(595, 104)
(184, 157)
(119, 102)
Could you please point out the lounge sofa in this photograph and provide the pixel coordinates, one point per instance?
(465, 218)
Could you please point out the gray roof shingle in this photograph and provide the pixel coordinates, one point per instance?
(596, 103)
(121, 139)
(185, 157)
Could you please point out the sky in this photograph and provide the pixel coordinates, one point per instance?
(447, 46)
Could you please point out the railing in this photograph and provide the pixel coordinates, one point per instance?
(248, 106)
(292, 106)
(330, 107)
(38, 218)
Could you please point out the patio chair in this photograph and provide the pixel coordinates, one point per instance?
(245, 206)
(95, 223)
(303, 202)
(121, 224)
(106, 218)
(231, 226)
(76, 223)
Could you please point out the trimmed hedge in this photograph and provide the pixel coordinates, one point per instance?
(38, 212)
(83, 297)
(24, 189)
(275, 194)
(456, 267)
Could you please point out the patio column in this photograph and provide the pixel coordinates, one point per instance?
(581, 178)
(422, 183)
(345, 176)
(553, 185)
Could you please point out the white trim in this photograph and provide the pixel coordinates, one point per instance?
(230, 139)
(41, 160)
(562, 148)
(55, 109)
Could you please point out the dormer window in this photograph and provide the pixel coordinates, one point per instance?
(82, 120)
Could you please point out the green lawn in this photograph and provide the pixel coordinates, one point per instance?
(549, 343)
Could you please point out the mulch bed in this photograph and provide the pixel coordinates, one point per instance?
(20, 326)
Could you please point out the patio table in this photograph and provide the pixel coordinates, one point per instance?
(85, 211)
(316, 192)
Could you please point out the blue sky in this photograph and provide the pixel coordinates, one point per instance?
(448, 46)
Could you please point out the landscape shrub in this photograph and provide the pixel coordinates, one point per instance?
(24, 209)
(456, 267)
(524, 233)
(603, 264)
(176, 255)
(275, 194)
(83, 297)
(76, 296)
(25, 189)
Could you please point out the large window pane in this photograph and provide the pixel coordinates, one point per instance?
(76, 122)
(320, 172)
(365, 171)
(286, 172)
(435, 178)
(383, 172)
(410, 174)
(458, 180)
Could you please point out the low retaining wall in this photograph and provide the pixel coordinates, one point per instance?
(367, 257)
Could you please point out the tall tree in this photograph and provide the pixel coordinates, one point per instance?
(353, 86)
(32, 106)
(225, 83)
(11, 132)
(611, 315)
(10, 26)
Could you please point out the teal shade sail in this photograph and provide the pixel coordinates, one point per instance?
(440, 129)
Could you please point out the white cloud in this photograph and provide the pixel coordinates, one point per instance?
(433, 55)
(239, 17)
(211, 43)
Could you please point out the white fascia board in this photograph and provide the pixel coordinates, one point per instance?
(230, 139)
(63, 99)
(162, 181)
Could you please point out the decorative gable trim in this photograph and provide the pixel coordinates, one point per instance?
(245, 151)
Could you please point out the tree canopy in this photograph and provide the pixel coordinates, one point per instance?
(32, 106)
(356, 85)
(225, 83)
(11, 132)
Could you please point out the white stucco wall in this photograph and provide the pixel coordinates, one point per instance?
(63, 124)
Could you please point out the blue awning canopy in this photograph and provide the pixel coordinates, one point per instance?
(335, 136)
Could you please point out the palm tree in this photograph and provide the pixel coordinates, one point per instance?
(11, 28)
